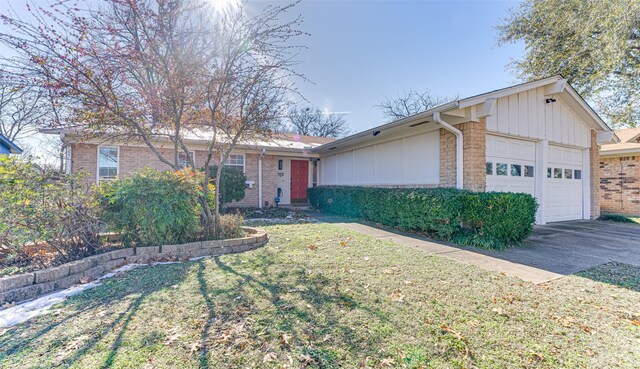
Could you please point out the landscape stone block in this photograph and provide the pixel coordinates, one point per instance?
(52, 274)
(119, 254)
(149, 250)
(69, 281)
(16, 281)
(79, 266)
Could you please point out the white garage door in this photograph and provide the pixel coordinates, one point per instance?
(510, 165)
(563, 191)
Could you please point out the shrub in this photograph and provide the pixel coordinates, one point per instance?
(153, 208)
(490, 220)
(232, 183)
(231, 226)
(41, 210)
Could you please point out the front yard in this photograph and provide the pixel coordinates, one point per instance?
(319, 296)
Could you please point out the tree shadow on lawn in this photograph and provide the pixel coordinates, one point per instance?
(135, 282)
(615, 273)
(324, 306)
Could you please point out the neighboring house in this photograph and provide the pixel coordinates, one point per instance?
(620, 174)
(7, 147)
(539, 138)
(282, 166)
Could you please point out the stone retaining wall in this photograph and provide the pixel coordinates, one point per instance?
(21, 287)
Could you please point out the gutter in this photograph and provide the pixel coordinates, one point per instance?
(459, 142)
(262, 152)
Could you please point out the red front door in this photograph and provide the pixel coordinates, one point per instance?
(299, 180)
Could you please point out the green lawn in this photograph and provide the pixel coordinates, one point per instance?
(319, 296)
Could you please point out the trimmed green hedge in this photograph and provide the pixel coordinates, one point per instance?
(491, 220)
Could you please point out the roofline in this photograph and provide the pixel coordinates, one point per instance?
(395, 123)
(615, 152)
(474, 100)
(13, 148)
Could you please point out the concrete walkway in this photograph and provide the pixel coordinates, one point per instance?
(553, 251)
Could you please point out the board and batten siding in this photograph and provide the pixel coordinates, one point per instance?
(527, 115)
(410, 160)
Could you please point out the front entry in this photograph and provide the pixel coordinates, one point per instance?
(299, 181)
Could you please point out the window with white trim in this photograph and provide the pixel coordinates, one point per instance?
(236, 161)
(107, 163)
(184, 160)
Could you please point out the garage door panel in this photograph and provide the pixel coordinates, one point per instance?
(510, 165)
(563, 185)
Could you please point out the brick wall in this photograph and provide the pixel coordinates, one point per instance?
(447, 158)
(85, 157)
(474, 156)
(594, 161)
(620, 185)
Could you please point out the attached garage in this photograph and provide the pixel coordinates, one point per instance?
(539, 138)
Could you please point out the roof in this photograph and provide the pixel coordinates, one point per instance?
(576, 103)
(629, 143)
(13, 148)
(286, 142)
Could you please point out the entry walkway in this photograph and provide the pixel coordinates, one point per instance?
(553, 251)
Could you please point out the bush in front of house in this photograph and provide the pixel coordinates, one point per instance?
(45, 217)
(489, 220)
(153, 208)
(232, 183)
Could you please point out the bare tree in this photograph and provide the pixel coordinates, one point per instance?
(129, 68)
(311, 121)
(21, 109)
(411, 103)
(251, 79)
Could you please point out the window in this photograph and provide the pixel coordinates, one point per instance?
(280, 164)
(489, 168)
(557, 173)
(184, 160)
(107, 163)
(577, 174)
(528, 170)
(548, 172)
(236, 161)
(516, 170)
(568, 173)
(501, 169)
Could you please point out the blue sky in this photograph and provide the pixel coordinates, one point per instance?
(361, 51)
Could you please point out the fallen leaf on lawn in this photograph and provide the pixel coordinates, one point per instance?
(366, 258)
(566, 322)
(636, 322)
(588, 352)
(306, 359)
(397, 296)
(499, 311)
(285, 339)
(312, 247)
(84, 280)
(409, 282)
(387, 362)
(195, 347)
(269, 357)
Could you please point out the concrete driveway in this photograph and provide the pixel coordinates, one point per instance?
(553, 251)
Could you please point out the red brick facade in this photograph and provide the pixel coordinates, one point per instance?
(620, 185)
(474, 156)
(84, 157)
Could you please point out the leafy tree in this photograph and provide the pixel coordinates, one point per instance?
(595, 44)
(232, 184)
(410, 103)
(312, 121)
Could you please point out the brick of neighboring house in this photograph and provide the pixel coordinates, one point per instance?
(620, 185)
(474, 156)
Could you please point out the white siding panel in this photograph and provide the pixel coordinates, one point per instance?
(513, 114)
(344, 168)
(421, 159)
(328, 165)
(363, 169)
(523, 114)
(492, 123)
(503, 114)
(536, 126)
(388, 159)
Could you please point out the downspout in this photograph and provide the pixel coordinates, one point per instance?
(260, 177)
(459, 159)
